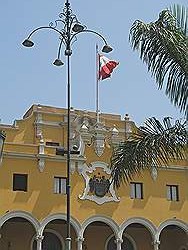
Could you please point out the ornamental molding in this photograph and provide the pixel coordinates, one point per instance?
(100, 191)
(38, 127)
(85, 130)
(41, 164)
(154, 173)
(80, 159)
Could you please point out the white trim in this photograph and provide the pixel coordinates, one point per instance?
(146, 223)
(175, 222)
(52, 124)
(59, 216)
(21, 214)
(174, 168)
(52, 113)
(42, 156)
(107, 220)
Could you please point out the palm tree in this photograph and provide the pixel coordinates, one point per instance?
(162, 46)
(153, 145)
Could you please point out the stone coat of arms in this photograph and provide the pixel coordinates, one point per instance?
(98, 186)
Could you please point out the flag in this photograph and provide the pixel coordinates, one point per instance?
(106, 67)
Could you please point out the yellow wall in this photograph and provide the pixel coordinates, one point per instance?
(21, 156)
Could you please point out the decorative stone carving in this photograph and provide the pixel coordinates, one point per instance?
(115, 138)
(85, 130)
(154, 173)
(99, 137)
(85, 134)
(39, 239)
(103, 193)
(41, 164)
(118, 242)
(128, 126)
(38, 125)
(156, 244)
(80, 241)
(41, 160)
(72, 167)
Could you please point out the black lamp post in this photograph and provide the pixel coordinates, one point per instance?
(70, 28)
(2, 140)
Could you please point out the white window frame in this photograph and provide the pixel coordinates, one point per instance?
(172, 192)
(136, 190)
(60, 185)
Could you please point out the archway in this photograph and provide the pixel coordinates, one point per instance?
(174, 238)
(52, 241)
(141, 235)
(16, 233)
(53, 230)
(96, 235)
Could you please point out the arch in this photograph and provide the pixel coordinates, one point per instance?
(172, 222)
(125, 235)
(21, 214)
(55, 233)
(148, 224)
(113, 225)
(59, 216)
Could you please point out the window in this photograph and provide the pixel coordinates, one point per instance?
(60, 185)
(20, 182)
(136, 190)
(52, 144)
(172, 193)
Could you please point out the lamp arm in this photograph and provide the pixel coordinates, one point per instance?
(59, 49)
(45, 27)
(90, 31)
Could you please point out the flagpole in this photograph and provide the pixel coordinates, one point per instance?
(97, 83)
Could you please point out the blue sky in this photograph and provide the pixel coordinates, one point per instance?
(28, 77)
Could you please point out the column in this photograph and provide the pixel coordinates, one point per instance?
(156, 244)
(39, 239)
(118, 243)
(80, 241)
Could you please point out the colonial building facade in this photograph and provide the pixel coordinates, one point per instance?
(149, 213)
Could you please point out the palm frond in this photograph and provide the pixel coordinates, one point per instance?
(162, 46)
(153, 145)
(180, 13)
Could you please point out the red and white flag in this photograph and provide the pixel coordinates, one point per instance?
(106, 67)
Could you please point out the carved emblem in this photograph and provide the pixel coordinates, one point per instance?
(97, 183)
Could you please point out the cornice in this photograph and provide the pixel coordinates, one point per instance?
(75, 158)
(174, 168)
(42, 156)
(51, 124)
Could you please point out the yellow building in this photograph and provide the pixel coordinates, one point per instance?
(150, 213)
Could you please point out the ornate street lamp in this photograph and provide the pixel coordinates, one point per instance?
(67, 27)
(2, 140)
